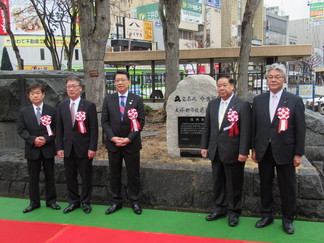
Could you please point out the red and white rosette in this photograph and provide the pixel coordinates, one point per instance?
(46, 121)
(233, 117)
(283, 114)
(133, 114)
(80, 116)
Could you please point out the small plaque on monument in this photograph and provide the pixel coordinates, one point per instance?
(190, 131)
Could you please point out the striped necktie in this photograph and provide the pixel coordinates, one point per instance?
(122, 106)
(38, 114)
(273, 107)
(72, 113)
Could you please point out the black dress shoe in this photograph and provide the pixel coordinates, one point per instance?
(137, 208)
(264, 222)
(233, 221)
(53, 206)
(86, 208)
(30, 208)
(214, 216)
(288, 227)
(70, 208)
(113, 208)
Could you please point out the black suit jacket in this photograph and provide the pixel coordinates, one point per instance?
(68, 136)
(285, 144)
(214, 138)
(29, 129)
(114, 127)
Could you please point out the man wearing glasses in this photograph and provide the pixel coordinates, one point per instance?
(122, 121)
(278, 139)
(77, 137)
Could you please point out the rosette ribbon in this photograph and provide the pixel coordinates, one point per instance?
(283, 114)
(133, 114)
(80, 116)
(46, 121)
(233, 117)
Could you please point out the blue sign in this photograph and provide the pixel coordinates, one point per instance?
(214, 3)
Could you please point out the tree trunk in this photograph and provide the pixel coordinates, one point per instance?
(20, 62)
(169, 11)
(247, 31)
(94, 30)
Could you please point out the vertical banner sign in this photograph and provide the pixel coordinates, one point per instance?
(148, 30)
(2, 18)
(316, 16)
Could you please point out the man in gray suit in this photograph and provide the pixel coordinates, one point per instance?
(122, 121)
(38, 134)
(226, 142)
(278, 139)
(77, 138)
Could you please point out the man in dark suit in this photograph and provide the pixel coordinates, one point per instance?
(278, 139)
(226, 141)
(39, 145)
(122, 121)
(77, 137)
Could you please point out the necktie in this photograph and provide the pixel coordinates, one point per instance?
(273, 107)
(122, 106)
(222, 113)
(72, 113)
(38, 114)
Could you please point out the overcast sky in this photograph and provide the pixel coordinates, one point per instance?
(296, 9)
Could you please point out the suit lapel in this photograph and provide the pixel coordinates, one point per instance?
(214, 113)
(282, 102)
(265, 104)
(32, 115)
(68, 111)
(115, 99)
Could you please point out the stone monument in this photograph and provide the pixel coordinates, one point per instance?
(186, 110)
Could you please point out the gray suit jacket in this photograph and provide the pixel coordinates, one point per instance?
(29, 129)
(285, 144)
(68, 136)
(213, 138)
(114, 127)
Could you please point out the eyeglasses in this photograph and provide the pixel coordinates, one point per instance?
(120, 80)
(72, 86)
(274, 77)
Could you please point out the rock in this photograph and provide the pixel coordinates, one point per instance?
(13, 89)
(190, 99)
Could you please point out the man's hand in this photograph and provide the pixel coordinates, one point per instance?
(60, 154)
(297, 160)
(242, 157)
(254, 156)
(204, 153)
(39, 141)
(121, 142)
(117, 141)
(91, 154)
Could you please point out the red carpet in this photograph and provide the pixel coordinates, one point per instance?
(31, 232)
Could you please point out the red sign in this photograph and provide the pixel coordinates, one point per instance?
(2, 18)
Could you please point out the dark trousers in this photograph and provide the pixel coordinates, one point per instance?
(132, 161)
(34, 168)
(286, 175)
(72, 166)
(227, 186)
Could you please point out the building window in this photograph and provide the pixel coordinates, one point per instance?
(76, 54)
(186, 35)
(42, 54)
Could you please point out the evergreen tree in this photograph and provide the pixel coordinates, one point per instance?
(5, 61)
